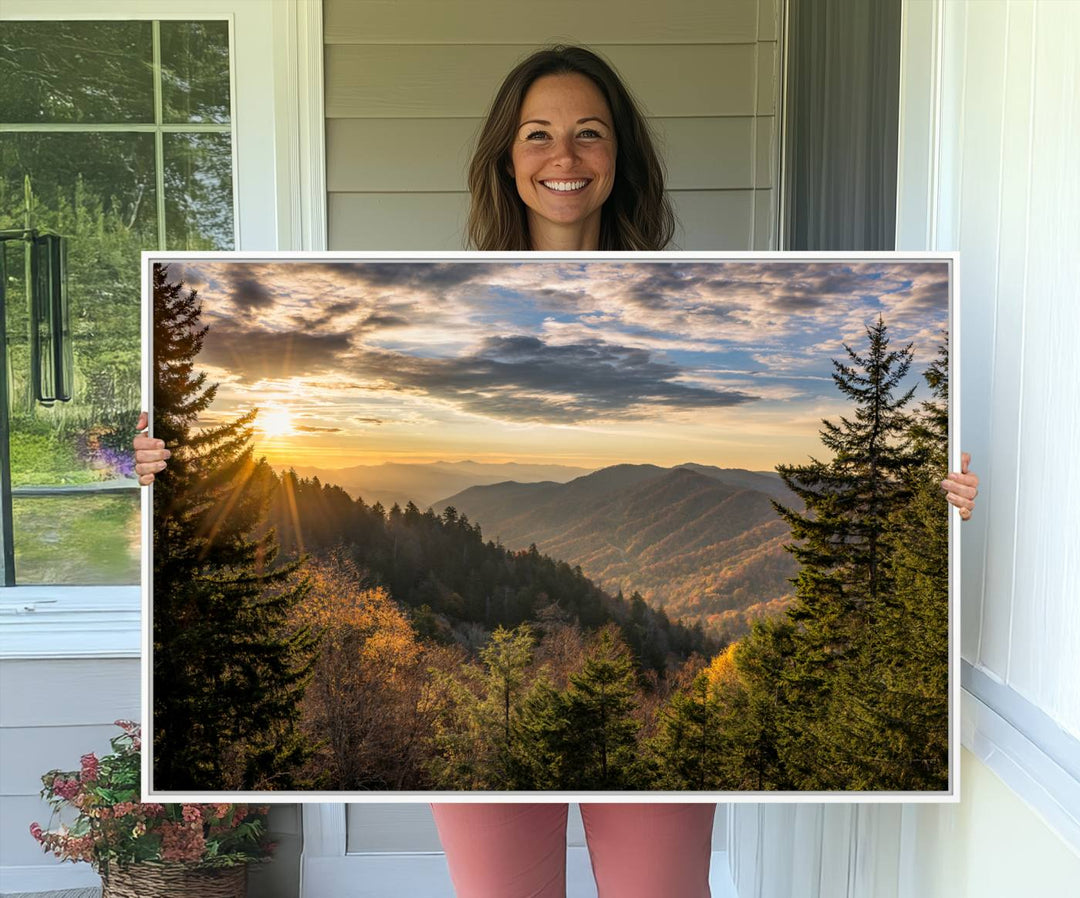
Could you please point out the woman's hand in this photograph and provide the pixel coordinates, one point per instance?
(962, 488)
(150, 454)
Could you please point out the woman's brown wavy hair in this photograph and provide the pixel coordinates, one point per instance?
(637, 214)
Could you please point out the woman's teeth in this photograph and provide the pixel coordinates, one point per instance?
(564, 186)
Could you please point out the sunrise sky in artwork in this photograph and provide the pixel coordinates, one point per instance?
(585, 363)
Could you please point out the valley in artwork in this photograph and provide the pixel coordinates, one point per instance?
(551, 525)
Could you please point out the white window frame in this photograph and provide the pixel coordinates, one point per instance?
(280, 203)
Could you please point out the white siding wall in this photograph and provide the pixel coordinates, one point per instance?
(408, 82)
(990, 143)
(67, 671)
(53, 712)
(1012, 82)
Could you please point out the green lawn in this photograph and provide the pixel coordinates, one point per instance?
(82, 539)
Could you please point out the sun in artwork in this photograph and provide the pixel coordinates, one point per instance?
(275, 421)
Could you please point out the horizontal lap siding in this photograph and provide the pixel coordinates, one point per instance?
(460, 80)
(54, 711)
(530, 23)
(407, 85)
(28, 752)
(432, 155)
(397, 221)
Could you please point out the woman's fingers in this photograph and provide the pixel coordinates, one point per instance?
(150, 453)
(964, 486)
(148, 462)
(960, 501)
(961, 488)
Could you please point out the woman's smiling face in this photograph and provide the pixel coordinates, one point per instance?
(563, 161)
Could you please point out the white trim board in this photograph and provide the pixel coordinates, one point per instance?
(39, 622)
(1040, 776)
(301, 126)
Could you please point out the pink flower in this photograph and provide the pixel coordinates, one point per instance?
(65, 788)
(192, 813)
(89, 767)
(181, 842)
(36, 832)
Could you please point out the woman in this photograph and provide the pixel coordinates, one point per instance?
(565, 163)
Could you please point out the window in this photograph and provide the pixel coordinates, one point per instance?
(117, 135)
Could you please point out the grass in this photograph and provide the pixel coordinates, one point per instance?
(77, 540)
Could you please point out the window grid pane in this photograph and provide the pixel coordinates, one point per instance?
(75, 72)
(103, 176)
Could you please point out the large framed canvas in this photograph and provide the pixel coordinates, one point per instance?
(478, 525)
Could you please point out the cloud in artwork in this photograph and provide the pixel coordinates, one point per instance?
(523, 379)
(249, 294)
(255, 354)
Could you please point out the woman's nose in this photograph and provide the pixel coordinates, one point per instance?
(564, 151)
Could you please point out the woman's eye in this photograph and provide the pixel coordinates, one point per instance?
(536, 135)
(589, 132)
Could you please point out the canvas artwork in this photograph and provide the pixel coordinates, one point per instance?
(510, 523)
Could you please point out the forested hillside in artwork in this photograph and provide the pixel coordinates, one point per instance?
(703, 543)
(306, 639)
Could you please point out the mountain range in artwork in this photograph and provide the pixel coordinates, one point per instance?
(699, 541)
(702, 542)
(425, 484)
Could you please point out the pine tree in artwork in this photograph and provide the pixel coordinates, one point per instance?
(753, 697)
(908, 708)
(539, 749)
(842, 544)
(600, 736)
(506, 656)
(228, 672)
(689, 746)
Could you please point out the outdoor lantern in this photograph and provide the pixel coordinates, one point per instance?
(51, 360)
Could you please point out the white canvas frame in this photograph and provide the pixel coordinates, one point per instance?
(330, 823)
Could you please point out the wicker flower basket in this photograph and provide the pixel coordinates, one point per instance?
(174, 881)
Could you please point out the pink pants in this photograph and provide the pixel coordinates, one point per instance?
(519, 850)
